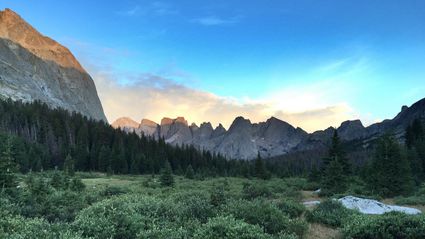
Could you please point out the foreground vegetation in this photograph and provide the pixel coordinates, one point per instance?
(54, 204)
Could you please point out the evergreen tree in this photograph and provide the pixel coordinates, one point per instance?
(57, 180)
(335, 168)
(190, 174)
(167, 178)
(336, 152)
(335, 179)
(69, 165)
(7, 166)
(415, 164)
(260, 169)
(390, 173)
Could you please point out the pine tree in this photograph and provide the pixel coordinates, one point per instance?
(335, 168)
(69, 165)
(390, 173)
(190, 174)
(166, 177)
(260, 169)
(336, 152)
(335, 180)
(104, 158)
(7, 166)
(57, 180)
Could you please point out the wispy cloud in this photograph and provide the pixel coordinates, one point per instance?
(215, 21)
(156, 8)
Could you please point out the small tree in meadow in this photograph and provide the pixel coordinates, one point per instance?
(167, 179)
(190, 174)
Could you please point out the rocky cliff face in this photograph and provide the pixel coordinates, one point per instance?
(35, 67)
(274, 137)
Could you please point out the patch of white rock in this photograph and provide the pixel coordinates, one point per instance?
(369, 206)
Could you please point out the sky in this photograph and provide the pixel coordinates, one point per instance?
(311, 63)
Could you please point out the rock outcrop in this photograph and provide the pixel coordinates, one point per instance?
(369, 206)
(35, 67)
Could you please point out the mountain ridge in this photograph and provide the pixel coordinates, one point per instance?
(273, 137)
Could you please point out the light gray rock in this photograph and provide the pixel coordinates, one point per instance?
(369, 206)
(35, 67)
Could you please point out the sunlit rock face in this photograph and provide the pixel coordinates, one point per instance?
(35, 67)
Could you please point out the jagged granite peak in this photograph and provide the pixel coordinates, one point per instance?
(204, 132)
(352, 129)
(166, 121)
(194, 126)
(219, 130)
(148, 122)
(125, 122)
(240, 123)
(35, 67)
(148, 128)
(175, 131)
(181, 120)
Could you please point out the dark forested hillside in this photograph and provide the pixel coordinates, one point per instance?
(44, 137)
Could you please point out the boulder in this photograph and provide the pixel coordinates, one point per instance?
(369, 206)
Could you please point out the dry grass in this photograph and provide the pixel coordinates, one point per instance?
(319, 231)
(390, 201)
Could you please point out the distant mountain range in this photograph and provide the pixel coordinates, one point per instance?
(35, 67)
(272, 138)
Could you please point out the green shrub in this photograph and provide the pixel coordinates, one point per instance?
(193, 205)
(291, 208)
(125, 216)
(161, 232)
(109, 219)
(252, 191)
(331, 213)
(18, 227)
(218, 195)
(63, 206)
(387, 226)
(113, 191)
(76, 185)
(227, 227)
(265, 214)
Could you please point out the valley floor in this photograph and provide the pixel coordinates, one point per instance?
(46, 205)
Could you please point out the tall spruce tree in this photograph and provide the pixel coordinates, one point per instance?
(335, 181)
(7, 166)
(167, 179)
(336, 152)
(69, 165)
(190, 174)
(390, 174)
(335, 168)
(260, 169)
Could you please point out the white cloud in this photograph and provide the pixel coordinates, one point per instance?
(154, 97)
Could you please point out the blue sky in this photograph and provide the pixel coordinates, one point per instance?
(311, 63)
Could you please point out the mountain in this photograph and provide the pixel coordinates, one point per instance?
(272, 138)
(35, 67)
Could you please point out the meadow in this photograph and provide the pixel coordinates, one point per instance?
(52, 204)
